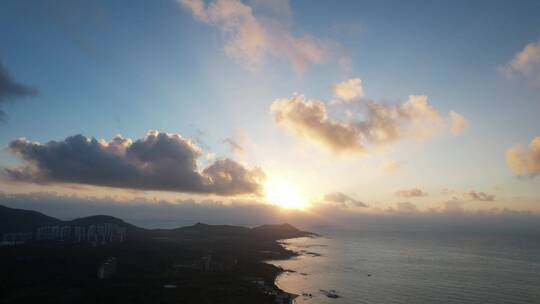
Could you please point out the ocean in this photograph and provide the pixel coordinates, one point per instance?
(413, 267)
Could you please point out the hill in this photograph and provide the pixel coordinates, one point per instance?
(19, 220)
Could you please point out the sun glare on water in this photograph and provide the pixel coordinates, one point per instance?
(285, 195)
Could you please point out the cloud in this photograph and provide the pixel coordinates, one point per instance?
(525, 64)
(251, 39)
(525, 162)
(411, 192)
(479, 196)
(349, 90)
(237, 142)
(309, 120)
(342, 200)
(11, 90)
(159, 161)
(380, 124)
(458, 123)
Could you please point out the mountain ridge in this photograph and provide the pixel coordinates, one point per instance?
(20, 220)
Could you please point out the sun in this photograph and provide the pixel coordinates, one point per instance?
(285, 195)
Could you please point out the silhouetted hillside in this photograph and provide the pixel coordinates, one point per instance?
(276, 232)
(47, 260)
(19, 220)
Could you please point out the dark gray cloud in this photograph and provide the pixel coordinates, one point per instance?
(342, 200)
(11, 90)
(159, 161)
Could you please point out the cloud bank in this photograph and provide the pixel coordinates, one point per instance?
(251, 39)
(380, 124)
(11, 90)
(152, 213)
(159, 161)
(525, 162)
(525, 64)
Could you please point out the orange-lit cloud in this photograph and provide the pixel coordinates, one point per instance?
(309, 120)
(349, 90)
(251, 40)
(382, 123)
(525, 64)
(458, 123)
(525, 161)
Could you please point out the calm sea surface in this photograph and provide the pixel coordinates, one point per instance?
(413, 267)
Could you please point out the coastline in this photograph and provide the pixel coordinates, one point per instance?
(281, 289)
(292, 296)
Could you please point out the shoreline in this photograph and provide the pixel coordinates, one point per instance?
(294, 254)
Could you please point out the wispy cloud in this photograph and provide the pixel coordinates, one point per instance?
(235, 147)
(11, 90)
(159, 161)
(237, 142)
(251, 39)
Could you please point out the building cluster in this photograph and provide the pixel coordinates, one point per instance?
(16, 238)
(107, 269)
(96, 234)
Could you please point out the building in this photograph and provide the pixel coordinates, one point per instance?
(16, 238)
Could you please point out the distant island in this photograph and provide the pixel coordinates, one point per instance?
(103, 259)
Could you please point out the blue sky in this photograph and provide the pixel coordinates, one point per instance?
(126, 67)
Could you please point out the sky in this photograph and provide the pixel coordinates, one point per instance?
(299, 107)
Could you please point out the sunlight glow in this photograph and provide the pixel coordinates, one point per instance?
(282, 193)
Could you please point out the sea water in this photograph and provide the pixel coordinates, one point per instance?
(413, 267)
